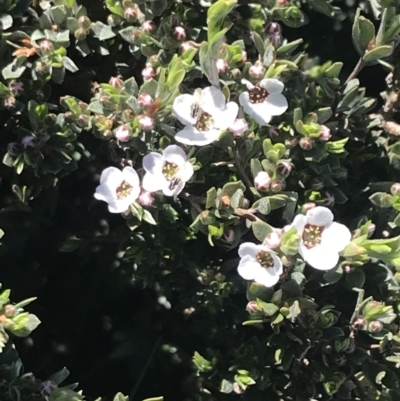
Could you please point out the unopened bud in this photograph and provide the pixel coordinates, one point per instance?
(84, 22)
(278, 185)
(114, 20)
(252, 307)
(308, 206)
(9, 310)
(371, 230)
(145, 101)
(122, 133)
(16, 87)
(188, 45)
(46, 47)
(329, 198)
(148, 73)
(9, 102)
(257, 70)
(284, 168)
(222, 66)
(375, 326)
(130, 14)
(116, 82)
(386, 200)
(262, 181)
(273, 27)
(148, 26)
(274, 34)
(325, 133)
(146, 123)
(146, 198)
(359, 323)
(179, 33)
(306, 143)
(291, 142)
(395, 189)
(80, 34)
(272, 240)
(239, 127)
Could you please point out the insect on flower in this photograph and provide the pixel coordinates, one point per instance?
(195, 111)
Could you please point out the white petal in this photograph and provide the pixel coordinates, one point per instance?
(224, 119)
(182, 108)
(153, 183)
(266, 277)
(153, 163)
(320, 257)
(299, 222)
(278, 267)
(119, 206)
(111, 176)
(244, 100)
(175, 154)
(186, 172)
(248, 249)
(337, 236)
(319, 216)
(105, 193)
(277, 104)
(191, 136)
(175, 191)
(131, 177)
(212, 100)
(273, 86)
(248, 268)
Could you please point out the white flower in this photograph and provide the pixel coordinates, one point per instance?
(167, 172)
(118, 188)
(205, 116)
(264, 100)
(259, 263)
(321, 238)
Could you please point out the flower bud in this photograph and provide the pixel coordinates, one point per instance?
(46, 47)
(284, 169)
(308, 206)
(386, 200)
(291, 142)
(114, 20)
(252, 307)
(116, 82)
(222, 66)
(16, 87)
(262, 181)
(329, 198)
(278, 185)
(148, 26)
(239, 127)
(27, 142)
(146, 123)
(325, 133)
(179, 33)
(9, 310)
(122, 133)
(395, 189)
(371, 230)
(272, 240)
(188, 45)
(83, 120)
(145, 100)
(359, 323)
(148, 73)
(273, 27)
(274, 34)
(130, 14)
(9, 102)
(375, 326)
(306, 143)
(257, 70)
(146, 198)
(84, 22)
(80, 34)
(12, 148)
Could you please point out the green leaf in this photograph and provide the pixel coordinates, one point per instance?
(216, 14)
(377, 53)
(131, 87)
(289, 48)
(263, 205)
(323, 7)
(363, 33)
(202, 364)
(102, 31)
(121, 397)
(324, 114)
(259, 43)
(261, 230)
(269, 309)
(59, 376)
(70, 65)
(157, 7)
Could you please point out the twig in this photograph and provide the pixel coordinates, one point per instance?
(359, 66)
(241, 170)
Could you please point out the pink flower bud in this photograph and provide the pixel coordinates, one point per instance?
(222, 65)
(9, 310)
(123, 133)
(180, 33)
(308, 206)
(148, 73)
(272, 240)
(148, 26)
(291, 142)
(283, 3)
(130, 14)
(145, 100)
(371, 230)
(278, 185)
(306, 143)
(375, 326)
(395, 189)
(239, 127)
(46, 46)
(116, 82)
(16, 87)
(252, 307)
(257, 71)
(325, 133)
(146, 123)
(284, 169)
(273, 27)
(188, 45)
(359, 323)
(262, 181)
(146, 198)
(244, 57)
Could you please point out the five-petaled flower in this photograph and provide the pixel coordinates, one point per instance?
(118, 188)
(168, 172)
(264, 100)
(259, 263)
(205, 116)
(321, 238)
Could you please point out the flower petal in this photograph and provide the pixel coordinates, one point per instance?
(112, 176)
(299, 222)
(119, 206)
(277, 104)
(212, 100)
(337, 236)
(273, 86)
(175, 154)
(191, 136)
(105, 193)
(260, 113)
(131, 176)
(186, 172)
(223, 120)
(153, 163)
(182, 108)
(174, 191)
(248, 268)
(248, 249)
(153, 182)
(320, 216)
(266, 277)
(320, 257)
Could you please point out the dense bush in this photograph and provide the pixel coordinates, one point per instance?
(203, 196)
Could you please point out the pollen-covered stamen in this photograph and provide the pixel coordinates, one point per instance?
(205, 122)
(170, 170)
(124, 190)
(257, 94)
(264, 258)
(312, 235)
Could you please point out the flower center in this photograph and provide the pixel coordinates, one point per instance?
(124, 190)
(264, 259)
(257, 94)
(312, 235)
(205, 122)
(169, 170)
